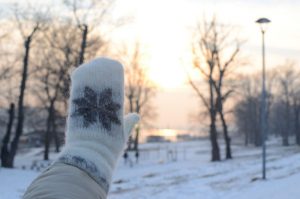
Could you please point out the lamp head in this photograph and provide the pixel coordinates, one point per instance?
(263, 23)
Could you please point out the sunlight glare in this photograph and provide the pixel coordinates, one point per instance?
(163, 32)
(168, 132)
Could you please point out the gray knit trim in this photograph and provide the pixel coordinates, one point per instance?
(89, 167)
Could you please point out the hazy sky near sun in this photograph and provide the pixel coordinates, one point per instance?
(164, 28)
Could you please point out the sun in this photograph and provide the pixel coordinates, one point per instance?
(165, 38)
(166, 76)
(165, 65)
(167, 132)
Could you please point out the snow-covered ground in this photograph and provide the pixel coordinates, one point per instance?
(183, 170)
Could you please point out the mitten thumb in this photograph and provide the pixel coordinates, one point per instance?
(129, 121)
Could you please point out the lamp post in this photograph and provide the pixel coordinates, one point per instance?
(263, 23)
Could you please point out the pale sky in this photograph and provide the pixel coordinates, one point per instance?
(164, 26)
(164, 29)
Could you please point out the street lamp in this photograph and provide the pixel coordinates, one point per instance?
(263, 22)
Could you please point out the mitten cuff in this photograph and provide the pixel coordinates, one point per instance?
(95, 165)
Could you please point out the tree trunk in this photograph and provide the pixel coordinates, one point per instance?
(226, 136)
(286, 131)
(285, 139)
(84, 29)
(137, 129)
(19, 128)
(55, 133)
(246, 138)
(215, 156)
(136, 139)
(136, 143)
(257, 128)
(221, 113)
(48, 133)
(247, 132)
(258, 140)
(297, 130)
(6, 159)
(130, 139)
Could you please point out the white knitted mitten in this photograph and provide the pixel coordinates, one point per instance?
(96, 130)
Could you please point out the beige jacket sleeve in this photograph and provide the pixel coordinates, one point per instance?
(62, 181)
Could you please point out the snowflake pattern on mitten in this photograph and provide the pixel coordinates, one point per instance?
(89, 108)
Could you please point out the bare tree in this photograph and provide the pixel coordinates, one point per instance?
(90, 15)
(288, 77)
(9, 59)
(203, 50)
(6, 138)
(6, 75)
(215, 57)
(248, 107)
(296, 114)
(57, 55)
(246, 112)
(139, 90)
(225, 66)
(29, 22)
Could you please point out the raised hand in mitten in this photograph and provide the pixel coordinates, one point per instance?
(96, 129)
